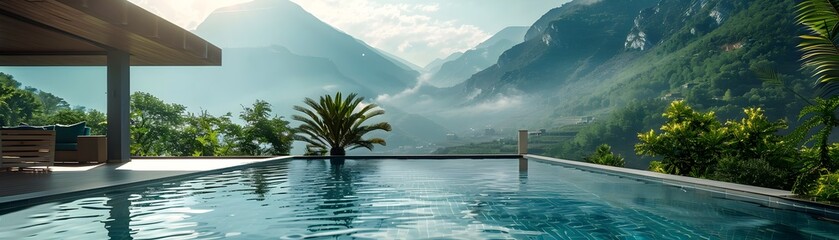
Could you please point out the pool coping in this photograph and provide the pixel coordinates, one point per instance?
(767, 196)
(28, 199)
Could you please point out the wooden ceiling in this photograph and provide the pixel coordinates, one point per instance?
(80, 32)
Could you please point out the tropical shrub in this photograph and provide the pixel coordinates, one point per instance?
(690, 142)
(604, 156)
(827, 187)
(336, 123)
(755, 172)
(754, 154)
(656, 166)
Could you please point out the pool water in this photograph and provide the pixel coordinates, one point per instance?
(409, 199)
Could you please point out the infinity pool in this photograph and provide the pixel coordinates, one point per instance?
(409, 199)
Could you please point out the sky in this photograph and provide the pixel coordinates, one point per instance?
(416, 30)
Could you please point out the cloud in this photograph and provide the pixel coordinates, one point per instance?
(405, 29)
(587, 2)
(187, 14)
(498, 104)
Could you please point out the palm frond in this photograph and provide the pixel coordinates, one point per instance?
(821, 19)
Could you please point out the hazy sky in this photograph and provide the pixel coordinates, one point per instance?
(416, 30)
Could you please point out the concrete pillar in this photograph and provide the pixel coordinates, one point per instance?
(522, 142)
(119, 95)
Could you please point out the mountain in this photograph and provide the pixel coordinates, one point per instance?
(482, 56)
(404, 64)
(624, 60)
(562, 45)
(265, 23)
(435, 65)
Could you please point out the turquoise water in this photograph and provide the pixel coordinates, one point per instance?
(409, 199)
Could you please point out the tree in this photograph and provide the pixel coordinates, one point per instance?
(822, 113)
(155, 125)
(262, 128)
(336, 123)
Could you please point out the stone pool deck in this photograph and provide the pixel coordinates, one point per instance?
(68, 180)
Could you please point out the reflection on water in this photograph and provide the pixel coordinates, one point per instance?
(337, 187)
(408, 199)
(119, 216)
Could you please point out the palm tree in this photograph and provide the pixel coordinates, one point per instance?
(336, 123)
(819, 47)
(822, 113)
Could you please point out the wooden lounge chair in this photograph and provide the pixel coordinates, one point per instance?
(25, 149)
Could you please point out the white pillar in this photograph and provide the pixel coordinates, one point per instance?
(119, 95)
(522, 142)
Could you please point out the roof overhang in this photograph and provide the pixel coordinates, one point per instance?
(81, 32)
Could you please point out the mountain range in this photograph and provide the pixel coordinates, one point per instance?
(461, 66)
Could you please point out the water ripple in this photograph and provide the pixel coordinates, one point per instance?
(408, 199)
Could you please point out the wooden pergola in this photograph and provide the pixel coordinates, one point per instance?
(112, 33)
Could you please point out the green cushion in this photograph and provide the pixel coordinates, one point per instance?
(69, 133)
(66, 146)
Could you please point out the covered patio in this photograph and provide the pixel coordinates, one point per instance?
(115, 33)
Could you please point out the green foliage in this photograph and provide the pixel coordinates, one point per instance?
(747, 151)
(754, 154)
(260, 127)
(820, 51)
(618, 129)
(155, 125)
(336, 123)
(656, 166)
(821, 114)
(162, 129)
(690, 142)
(202, 136)
(17, 105)
(827, 187)
(158, 128)
(604, 156)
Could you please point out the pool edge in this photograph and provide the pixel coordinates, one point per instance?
(770, 197)
(7, 202)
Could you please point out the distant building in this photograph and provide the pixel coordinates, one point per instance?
(672, 96)
(689, 85)
(452, 136)
(585, 120)
(732, 46)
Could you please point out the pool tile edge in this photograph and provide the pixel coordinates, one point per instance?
(775, 197)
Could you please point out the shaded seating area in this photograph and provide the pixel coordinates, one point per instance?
(116, 34)
(74, 144)
(25, 148)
